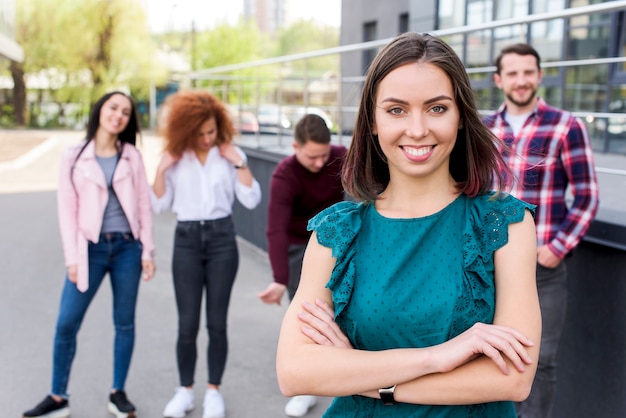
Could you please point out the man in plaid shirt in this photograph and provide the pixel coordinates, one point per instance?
(548, 150)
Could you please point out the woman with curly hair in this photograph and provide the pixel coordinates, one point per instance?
(199, 176)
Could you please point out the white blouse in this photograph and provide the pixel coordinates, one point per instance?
(205, 192)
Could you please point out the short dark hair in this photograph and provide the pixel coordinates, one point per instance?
(313, 128)
(475, 161)
(519, 49)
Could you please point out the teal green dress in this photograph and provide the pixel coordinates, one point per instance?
(419, 282)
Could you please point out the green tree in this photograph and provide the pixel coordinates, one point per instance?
(226, 45)
(306, 36)
(86, 47)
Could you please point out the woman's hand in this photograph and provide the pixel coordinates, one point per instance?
(148, 269)
(321, 326)
(167, 160)
(229, 152)
(493, 341)
(72, 273)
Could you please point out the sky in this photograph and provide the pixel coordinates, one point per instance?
(166, 15)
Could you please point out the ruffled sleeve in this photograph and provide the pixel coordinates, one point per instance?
(486, 230)
(336, 228)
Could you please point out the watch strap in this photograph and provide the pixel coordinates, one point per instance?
(386, 395)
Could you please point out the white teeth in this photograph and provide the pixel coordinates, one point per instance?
(418, 152)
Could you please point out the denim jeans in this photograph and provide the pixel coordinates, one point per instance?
(205, 260)
(552, 290)
(120, 255)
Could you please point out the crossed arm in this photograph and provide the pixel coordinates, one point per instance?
(485, 363)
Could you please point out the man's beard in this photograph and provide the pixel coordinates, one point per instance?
(525, 102)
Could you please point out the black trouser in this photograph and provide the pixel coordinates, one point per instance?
(205, 258)
(552, 290)
(296, 254)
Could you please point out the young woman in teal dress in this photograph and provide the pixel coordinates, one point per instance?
(419, 298)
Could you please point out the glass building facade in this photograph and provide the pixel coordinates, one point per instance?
(593, 91)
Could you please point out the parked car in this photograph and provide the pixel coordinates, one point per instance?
(272, 118)
(245, 122)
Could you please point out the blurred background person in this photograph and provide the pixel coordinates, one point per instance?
(105, 219)
(199, 176)
(302, 185)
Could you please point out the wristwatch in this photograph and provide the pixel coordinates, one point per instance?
(242, 164)
(386, 395)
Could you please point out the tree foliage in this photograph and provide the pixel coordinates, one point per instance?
(78, 49)
(304, 36)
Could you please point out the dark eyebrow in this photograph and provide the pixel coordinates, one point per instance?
(429, 101)
(438, 99)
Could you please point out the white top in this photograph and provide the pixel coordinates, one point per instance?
(516, 121)
(204, 192)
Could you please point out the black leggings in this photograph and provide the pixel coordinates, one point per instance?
(205, 258)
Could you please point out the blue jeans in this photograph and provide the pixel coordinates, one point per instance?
(120, 255)
(205, 259)
(552, 290)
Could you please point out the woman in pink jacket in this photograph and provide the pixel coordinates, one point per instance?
(105, 217)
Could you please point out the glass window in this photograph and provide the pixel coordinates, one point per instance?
(547, 36)
(585, 87)
(451, 13)
(403, 23)
(478, 43)
(588, 41)
(508, 35)
(506, 9)
(369, 34)
(616, 127)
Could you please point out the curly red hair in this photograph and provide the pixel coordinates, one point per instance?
(184, 113)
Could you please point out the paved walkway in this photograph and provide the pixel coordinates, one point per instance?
(31, 274)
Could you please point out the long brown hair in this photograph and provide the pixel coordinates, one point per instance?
(475, 161)
(184, 113)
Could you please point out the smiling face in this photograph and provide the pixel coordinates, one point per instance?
(115, 114)
(417, 120)
(519, 79)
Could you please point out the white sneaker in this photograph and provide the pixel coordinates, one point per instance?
(180, 404)
(298, 406)
(213, 404)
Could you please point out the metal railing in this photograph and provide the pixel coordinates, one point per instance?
(250, 92)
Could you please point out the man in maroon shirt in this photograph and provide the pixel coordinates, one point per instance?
(302, 185)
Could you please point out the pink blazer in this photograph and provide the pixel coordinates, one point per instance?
(82, 197)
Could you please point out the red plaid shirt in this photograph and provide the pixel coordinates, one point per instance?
(550, 152)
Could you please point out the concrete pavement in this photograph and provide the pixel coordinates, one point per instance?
(31, 274)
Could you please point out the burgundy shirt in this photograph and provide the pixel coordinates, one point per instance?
(296, 195)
